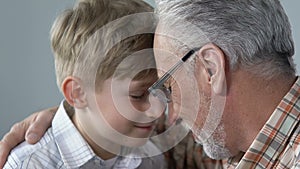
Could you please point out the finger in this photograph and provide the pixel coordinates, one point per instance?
(4, 151)
(39, 125)
(16, 134)
(11, 139)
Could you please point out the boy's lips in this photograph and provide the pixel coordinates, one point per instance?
(145, 126)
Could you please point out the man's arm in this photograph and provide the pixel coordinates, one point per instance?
(32, 129)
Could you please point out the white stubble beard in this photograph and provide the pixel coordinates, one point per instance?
(212, 138)
(215, 145)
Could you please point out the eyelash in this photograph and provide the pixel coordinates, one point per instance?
(138, 97)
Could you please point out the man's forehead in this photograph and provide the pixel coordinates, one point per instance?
(181, 37)
(169, 40)
(166, 42)
(161, 37)
(161, 43)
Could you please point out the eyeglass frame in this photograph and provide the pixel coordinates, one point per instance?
(159, 84)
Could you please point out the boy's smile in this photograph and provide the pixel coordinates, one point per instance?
(122, 110)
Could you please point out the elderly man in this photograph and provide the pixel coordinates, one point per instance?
(234, 82)
(243, 69)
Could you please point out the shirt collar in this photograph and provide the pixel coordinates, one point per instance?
(74, 149)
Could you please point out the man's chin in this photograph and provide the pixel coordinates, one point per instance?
(213, 149)
(216, 151)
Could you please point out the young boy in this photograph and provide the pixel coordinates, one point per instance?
(107, 117)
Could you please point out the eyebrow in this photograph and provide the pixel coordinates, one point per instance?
(140, 84)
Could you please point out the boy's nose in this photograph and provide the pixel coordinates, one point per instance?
(155, 107)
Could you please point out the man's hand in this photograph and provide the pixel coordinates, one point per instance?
(32, 129)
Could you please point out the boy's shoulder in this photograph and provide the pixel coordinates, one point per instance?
(40, 154)
(61, 146)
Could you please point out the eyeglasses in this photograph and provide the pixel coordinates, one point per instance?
(158, 89)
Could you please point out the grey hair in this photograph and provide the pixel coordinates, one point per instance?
(255, 35)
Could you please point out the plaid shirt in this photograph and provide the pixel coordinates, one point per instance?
(63, 147)
(277, 144)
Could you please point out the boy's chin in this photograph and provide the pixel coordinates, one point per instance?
(134, 142)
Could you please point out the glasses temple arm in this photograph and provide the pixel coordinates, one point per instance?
(168, 74)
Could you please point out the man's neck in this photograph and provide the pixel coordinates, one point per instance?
(253, 100)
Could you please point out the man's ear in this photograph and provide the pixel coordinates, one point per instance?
(213, 60)
(74, 92)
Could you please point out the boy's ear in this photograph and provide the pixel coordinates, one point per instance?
(213, 60)
(74, 92)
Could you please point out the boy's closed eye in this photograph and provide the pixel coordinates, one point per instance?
(138, 95)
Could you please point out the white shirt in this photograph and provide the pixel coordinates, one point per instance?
(63, 147)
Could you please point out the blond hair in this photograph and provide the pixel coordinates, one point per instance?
(72, 29)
